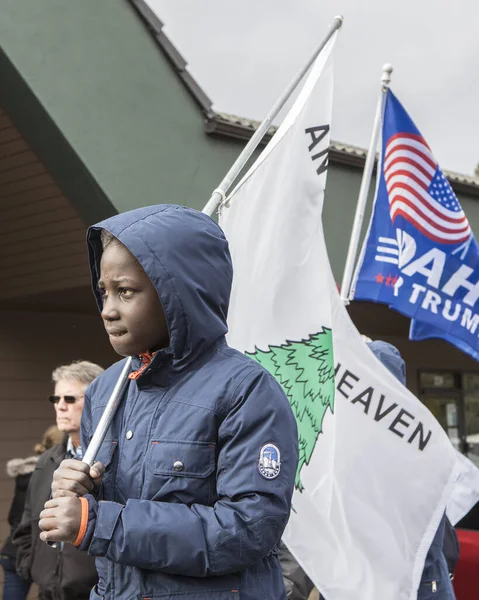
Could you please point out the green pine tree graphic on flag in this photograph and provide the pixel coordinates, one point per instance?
(305, 370)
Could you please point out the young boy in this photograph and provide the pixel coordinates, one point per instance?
(189, 506)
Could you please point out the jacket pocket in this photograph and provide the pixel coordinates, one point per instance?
(182, 459)
(181, 471)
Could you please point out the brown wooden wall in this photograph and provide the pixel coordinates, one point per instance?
(31, 346)
(42, 238)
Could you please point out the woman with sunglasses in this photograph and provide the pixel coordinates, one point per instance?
(62, 573)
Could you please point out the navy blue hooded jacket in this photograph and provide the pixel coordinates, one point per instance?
(435, 582)
(210, 530)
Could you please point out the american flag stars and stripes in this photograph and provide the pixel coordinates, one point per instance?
(419, 191)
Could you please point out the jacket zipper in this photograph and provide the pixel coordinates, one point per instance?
(434, 587)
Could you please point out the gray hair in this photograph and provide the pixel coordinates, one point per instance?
(79, 370)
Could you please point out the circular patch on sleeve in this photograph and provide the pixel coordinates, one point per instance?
(269, 464)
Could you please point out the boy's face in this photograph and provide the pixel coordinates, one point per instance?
(132, 312)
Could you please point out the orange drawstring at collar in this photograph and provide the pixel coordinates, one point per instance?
(146, 359)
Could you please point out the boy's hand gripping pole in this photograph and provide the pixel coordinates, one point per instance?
(106, 419)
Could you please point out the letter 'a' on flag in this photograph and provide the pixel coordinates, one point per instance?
(375, 467)
(420, 256)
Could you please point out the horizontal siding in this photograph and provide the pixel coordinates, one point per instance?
(12, 147)
(66, 238)
(18, 390)
(37, 221)
(14, 409)
(14, 367)
(51, 280)
(25, 184)
(39, 265)
(38, 206)
(17, 448)
(17, 159)
(42, 192)
(8, 134)
(68, 283)
(26, 426)
(44, 252)
(21, 173)
(33, 232)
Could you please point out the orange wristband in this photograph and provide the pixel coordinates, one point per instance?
(83, 522)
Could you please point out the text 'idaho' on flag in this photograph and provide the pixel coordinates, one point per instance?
(375, 467)
(420, 256)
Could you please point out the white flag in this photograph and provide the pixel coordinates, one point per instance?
(465, 494)
(375, 466)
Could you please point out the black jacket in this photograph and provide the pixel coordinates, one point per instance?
(21, 470)
(61, 574)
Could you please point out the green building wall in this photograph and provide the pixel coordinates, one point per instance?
(111, 91)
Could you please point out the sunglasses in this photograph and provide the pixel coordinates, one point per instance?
(68, 399)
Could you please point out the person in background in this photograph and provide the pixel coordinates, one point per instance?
(61, 573)
(21, 469)
(443, 554)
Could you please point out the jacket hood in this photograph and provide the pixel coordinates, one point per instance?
(21, 466)
(391, 358)
(186, 256)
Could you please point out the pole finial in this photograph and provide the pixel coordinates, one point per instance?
(386, 76)
(339, 18)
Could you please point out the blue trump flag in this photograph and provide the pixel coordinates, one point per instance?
(420, 256)
(424, 331)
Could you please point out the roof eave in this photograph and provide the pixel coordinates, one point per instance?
(349, 156)
(223, 125)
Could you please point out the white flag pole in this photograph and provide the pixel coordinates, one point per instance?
(220, 192)
(364, 189)
(105, 421)
(216, 198)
